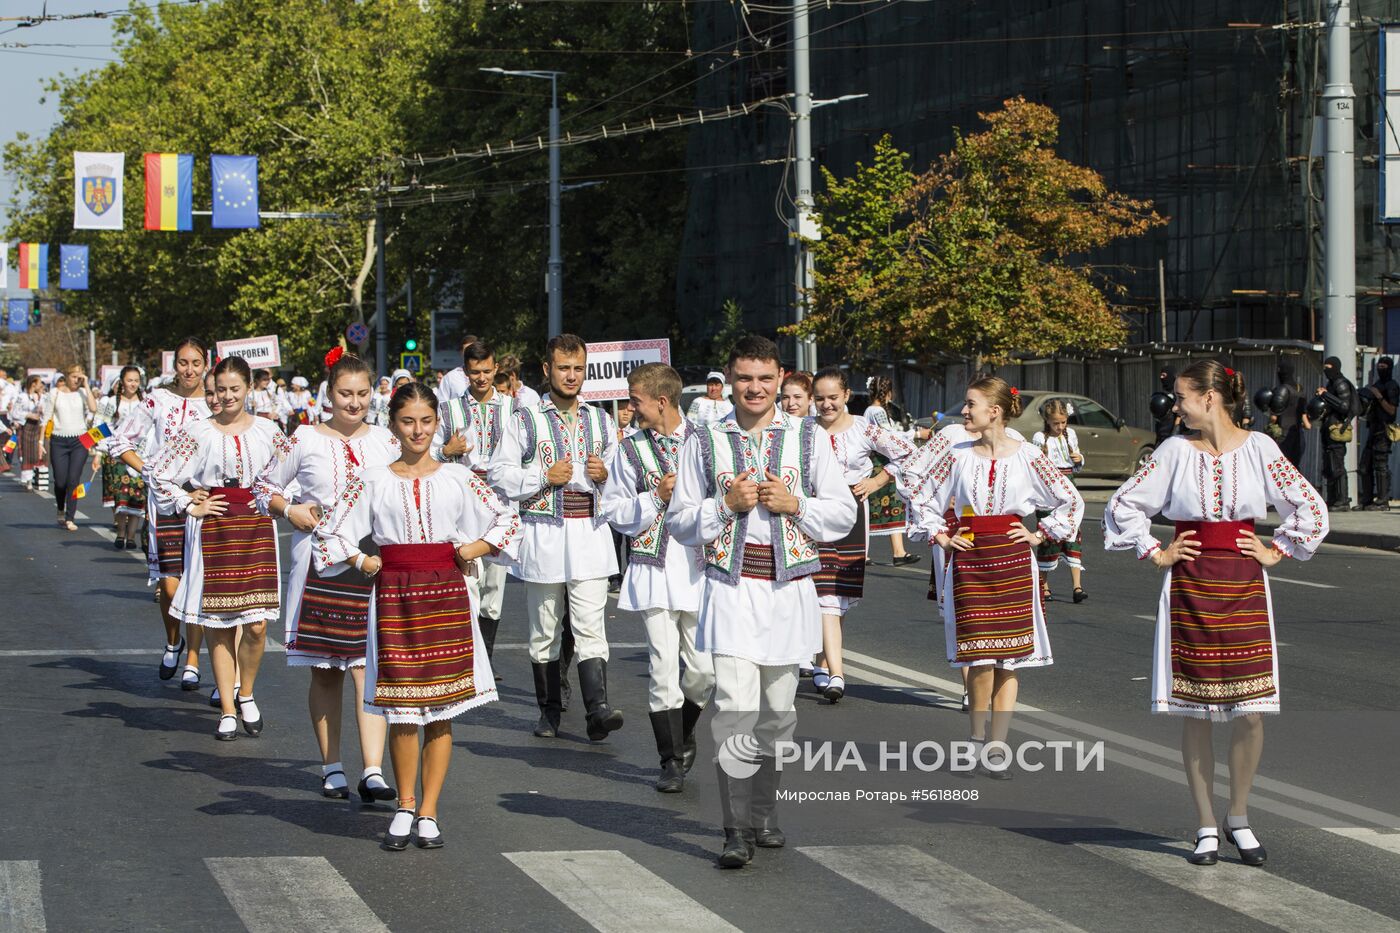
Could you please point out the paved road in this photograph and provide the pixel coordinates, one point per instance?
(125, 814)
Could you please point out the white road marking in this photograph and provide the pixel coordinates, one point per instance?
(272, 645)
(1148, 618)
(933, 891)
(292, 895)
(1320, 586)
(1258, 894)
(614, 894)
(21, 904)
(520, 645)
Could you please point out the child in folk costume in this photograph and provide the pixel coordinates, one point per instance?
(757, 493)
(1059, 442)
(663, 580)
(888, 511)
(553, 462)
(993, 620)
(138, 442)
(121, 484)
(231, 571)
(432, 522)
(328, 616)
(470, 427)
(841, 580)
(1215, 656)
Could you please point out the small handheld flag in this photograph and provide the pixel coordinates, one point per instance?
(90, 439)
(80, 491)
(10, 445)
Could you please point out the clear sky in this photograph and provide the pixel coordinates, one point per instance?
(52, 49)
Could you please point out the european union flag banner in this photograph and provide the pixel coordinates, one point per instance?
(73, 267)
(235, 191)
(19, 315)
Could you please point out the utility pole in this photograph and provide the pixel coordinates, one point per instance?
(381, 314)
(92, 357)
(1338, 200)
(802, 135)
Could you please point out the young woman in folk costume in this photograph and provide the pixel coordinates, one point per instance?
(796, 396)
(433, 523)
(327, 617)
(993, 620)
(26, 414)
(231, 576)
(1059, 442)
(888, 513)
(841, 580)
(138, 442)
(122, 485)
(1215, 656)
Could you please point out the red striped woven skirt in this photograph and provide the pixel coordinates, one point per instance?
(842, 570)
(170, 545)
(1222, 649)
(424, 656)
(239, 550)
(333, 620)
(993, 589)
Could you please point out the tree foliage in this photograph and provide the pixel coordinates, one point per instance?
(982, 256)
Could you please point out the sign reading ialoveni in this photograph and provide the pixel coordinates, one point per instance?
(259, 352)
(609, 363)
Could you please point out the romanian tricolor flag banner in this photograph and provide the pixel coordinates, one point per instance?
(33, 265)
(169, 191)
(90, 439)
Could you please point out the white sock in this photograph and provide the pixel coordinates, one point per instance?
(428, 828)
(248, 710)
(402, 823)
(331, 779)
(1239, 828)
(1207, 840)
(190, 671)
(171, 656)
(214, 695)
(374, 778)
(228, 724)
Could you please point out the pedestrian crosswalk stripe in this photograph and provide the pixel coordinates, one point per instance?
(21, 905)
(1276, 901)
(614, 894)
(292, 895)
(934, 891)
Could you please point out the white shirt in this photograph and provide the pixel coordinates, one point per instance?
(69, 412)
(705, 410)
(322, 465)
(1185, 484)
(262, 402)
(580, 548)
(1022, 483)
(203, 457)
(150, 426)
(854, 446)
(454, 384)
(486, 427)
(1059, 448)
(449, 506)
(323, 401)
(762, 621)
(676, 586)
(527, 396)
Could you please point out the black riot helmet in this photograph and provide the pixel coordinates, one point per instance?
(1282, 398)
(1160, 404)
(1264, 399)
(1317, 407)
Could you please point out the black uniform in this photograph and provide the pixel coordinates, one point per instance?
(1290, 420)
(1375, 456)
(1166, 425)
(1340, 397)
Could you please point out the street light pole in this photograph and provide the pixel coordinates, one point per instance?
(554, 278)
(1339, 200)
(802, 174)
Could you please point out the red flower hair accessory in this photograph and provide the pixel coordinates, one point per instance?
(334, 356)
(1014, 391)
(1229, 371)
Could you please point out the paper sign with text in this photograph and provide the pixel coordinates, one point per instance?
(260, 352)
(609, 363)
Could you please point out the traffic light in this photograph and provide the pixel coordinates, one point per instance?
(410, 345)
(36, 314)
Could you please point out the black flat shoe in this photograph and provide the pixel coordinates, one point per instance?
(168, 672)
(434, 842)
(334, 793)
(1205, 858)
(255, 727)
(370, 795)
(1079, 594)
(1255, 856)
(394, 843)
(119, 543)
(906, 560)
(227, 735)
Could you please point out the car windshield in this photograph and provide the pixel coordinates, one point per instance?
(1092, 415)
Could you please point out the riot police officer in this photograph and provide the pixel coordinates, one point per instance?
(1166, 421)
(1378, 404)
(1339, 408)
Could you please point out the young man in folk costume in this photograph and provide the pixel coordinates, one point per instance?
(470, 427)
(756, 493)
(552, 461)
(664, 579)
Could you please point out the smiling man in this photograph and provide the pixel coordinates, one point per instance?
(756, 492)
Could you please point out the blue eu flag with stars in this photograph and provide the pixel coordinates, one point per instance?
(235, 191)
(18, 310)
(73, 267)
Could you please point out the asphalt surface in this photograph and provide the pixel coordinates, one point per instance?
(126, 814)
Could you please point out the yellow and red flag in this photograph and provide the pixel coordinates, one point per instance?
(33, 265)
(169, 191)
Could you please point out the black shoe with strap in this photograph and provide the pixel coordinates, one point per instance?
(1253, 856)
(1208, 856)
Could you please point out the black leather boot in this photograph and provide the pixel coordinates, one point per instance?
(734, 797)
(765, 804)
(666, 724)
(593, 682)
(547, 696)
(566, 660)
(690, 715)
(488, 628)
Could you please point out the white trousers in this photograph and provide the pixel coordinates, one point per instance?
(754, 699)
(586, 602)
(671, 645)
(493, 589)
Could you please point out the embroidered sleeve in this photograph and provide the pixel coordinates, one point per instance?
(131, 433)
(503, 531)
(1127, 519)
(1305, 520)
(694, 515)
(830, 513)
(277, 474)
(925, 482)
(1055, 492)
(336, 540)
(171, 470)
(629, 510)
(891, 446)
(513, 471)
